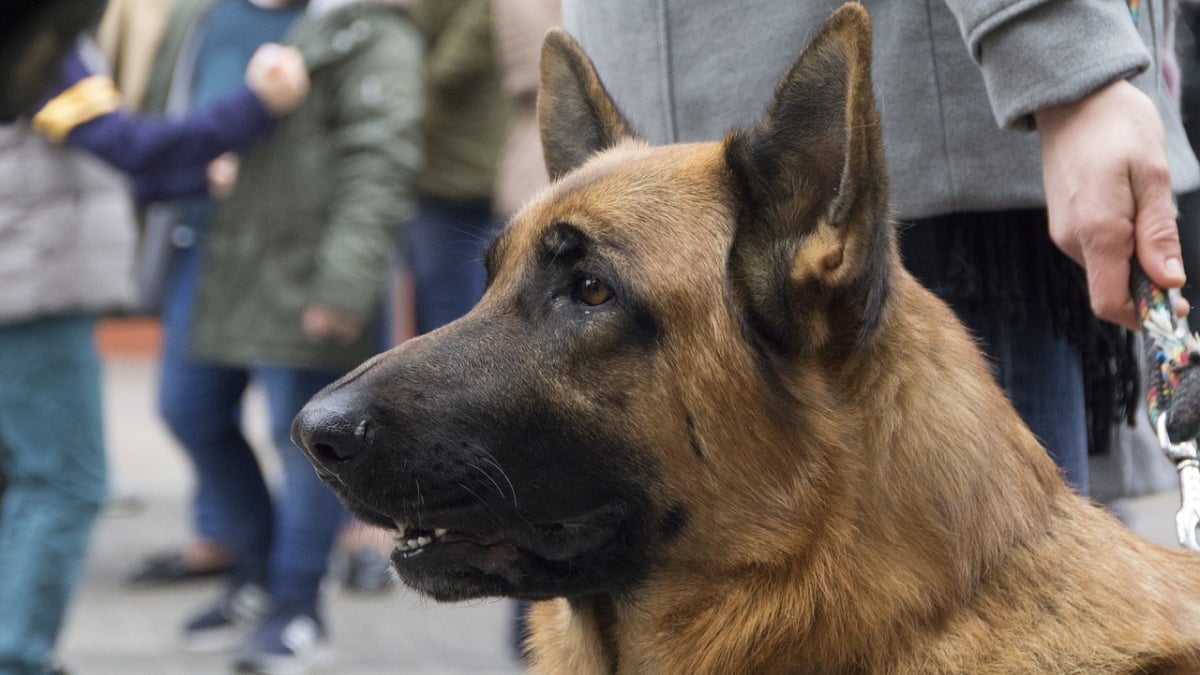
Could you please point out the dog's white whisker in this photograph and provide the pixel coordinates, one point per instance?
(492, 512)
(504, 474)
(487, 475)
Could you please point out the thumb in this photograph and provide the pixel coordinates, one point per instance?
(1156, 234)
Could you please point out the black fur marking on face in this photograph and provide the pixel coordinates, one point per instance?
(563, 242)
(566, 253)
(492, 256)
(673, 522)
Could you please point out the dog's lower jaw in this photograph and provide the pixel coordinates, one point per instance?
(603, 552)
(466, 571)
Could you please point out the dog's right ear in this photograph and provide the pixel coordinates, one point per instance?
(576, 115)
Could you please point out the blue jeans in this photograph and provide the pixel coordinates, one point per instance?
(280, 538)
(52, 455)
(445, 242)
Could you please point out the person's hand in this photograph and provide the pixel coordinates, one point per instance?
(222, 173)
(1108, 194)
(278, 76)
(322, 322)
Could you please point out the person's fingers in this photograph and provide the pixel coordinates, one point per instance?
(1155, 230)
(1108, 285)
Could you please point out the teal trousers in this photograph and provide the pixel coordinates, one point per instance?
(52, 457)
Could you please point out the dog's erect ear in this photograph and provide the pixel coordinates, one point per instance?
(813, 244)
(576, 115)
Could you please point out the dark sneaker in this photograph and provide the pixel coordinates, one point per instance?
(170, 567)
(226, 624)
(289, 642)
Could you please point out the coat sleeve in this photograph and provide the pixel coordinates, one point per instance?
(178, 183)
(83, 109)
(376, 132)
(1039, 53)
(145, 144)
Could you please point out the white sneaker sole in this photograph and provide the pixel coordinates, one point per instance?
(316, 658)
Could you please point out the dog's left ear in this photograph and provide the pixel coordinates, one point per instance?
(576, 116)
(813, 244)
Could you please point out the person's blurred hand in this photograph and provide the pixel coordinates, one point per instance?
(1108, 194)
(322, 322)
(222, 173)
(278, 76)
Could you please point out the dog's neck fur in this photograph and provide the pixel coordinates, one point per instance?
(803, 561)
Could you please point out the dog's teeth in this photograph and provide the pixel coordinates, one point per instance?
(411, 544)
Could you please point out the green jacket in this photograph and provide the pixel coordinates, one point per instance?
(467, 114)
(317, 206)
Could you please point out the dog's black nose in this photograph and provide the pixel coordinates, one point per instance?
(331, 432)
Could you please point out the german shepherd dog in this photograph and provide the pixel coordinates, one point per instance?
(704, 417)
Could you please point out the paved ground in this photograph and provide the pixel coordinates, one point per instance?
(117, 631)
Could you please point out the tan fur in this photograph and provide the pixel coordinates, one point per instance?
(882, 510)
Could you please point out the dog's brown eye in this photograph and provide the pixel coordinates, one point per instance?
(592, 291)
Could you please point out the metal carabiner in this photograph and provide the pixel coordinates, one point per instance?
(1187, 462)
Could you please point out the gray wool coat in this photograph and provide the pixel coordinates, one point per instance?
(956, 81)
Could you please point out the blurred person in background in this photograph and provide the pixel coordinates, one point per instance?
(67, 240)
(282, 286)
(67, 224)
(203, 47)
(465, 126)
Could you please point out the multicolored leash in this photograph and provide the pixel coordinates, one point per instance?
(1172, 394)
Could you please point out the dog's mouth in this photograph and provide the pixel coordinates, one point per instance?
(556, 541)
(455, 557)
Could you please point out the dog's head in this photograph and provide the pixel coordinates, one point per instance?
(648, 352)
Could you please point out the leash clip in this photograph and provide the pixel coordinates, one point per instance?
(1187, 464)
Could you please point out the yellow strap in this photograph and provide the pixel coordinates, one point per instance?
(83, 101)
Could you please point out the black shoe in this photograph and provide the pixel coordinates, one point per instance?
(226, 624)
(163, 569)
